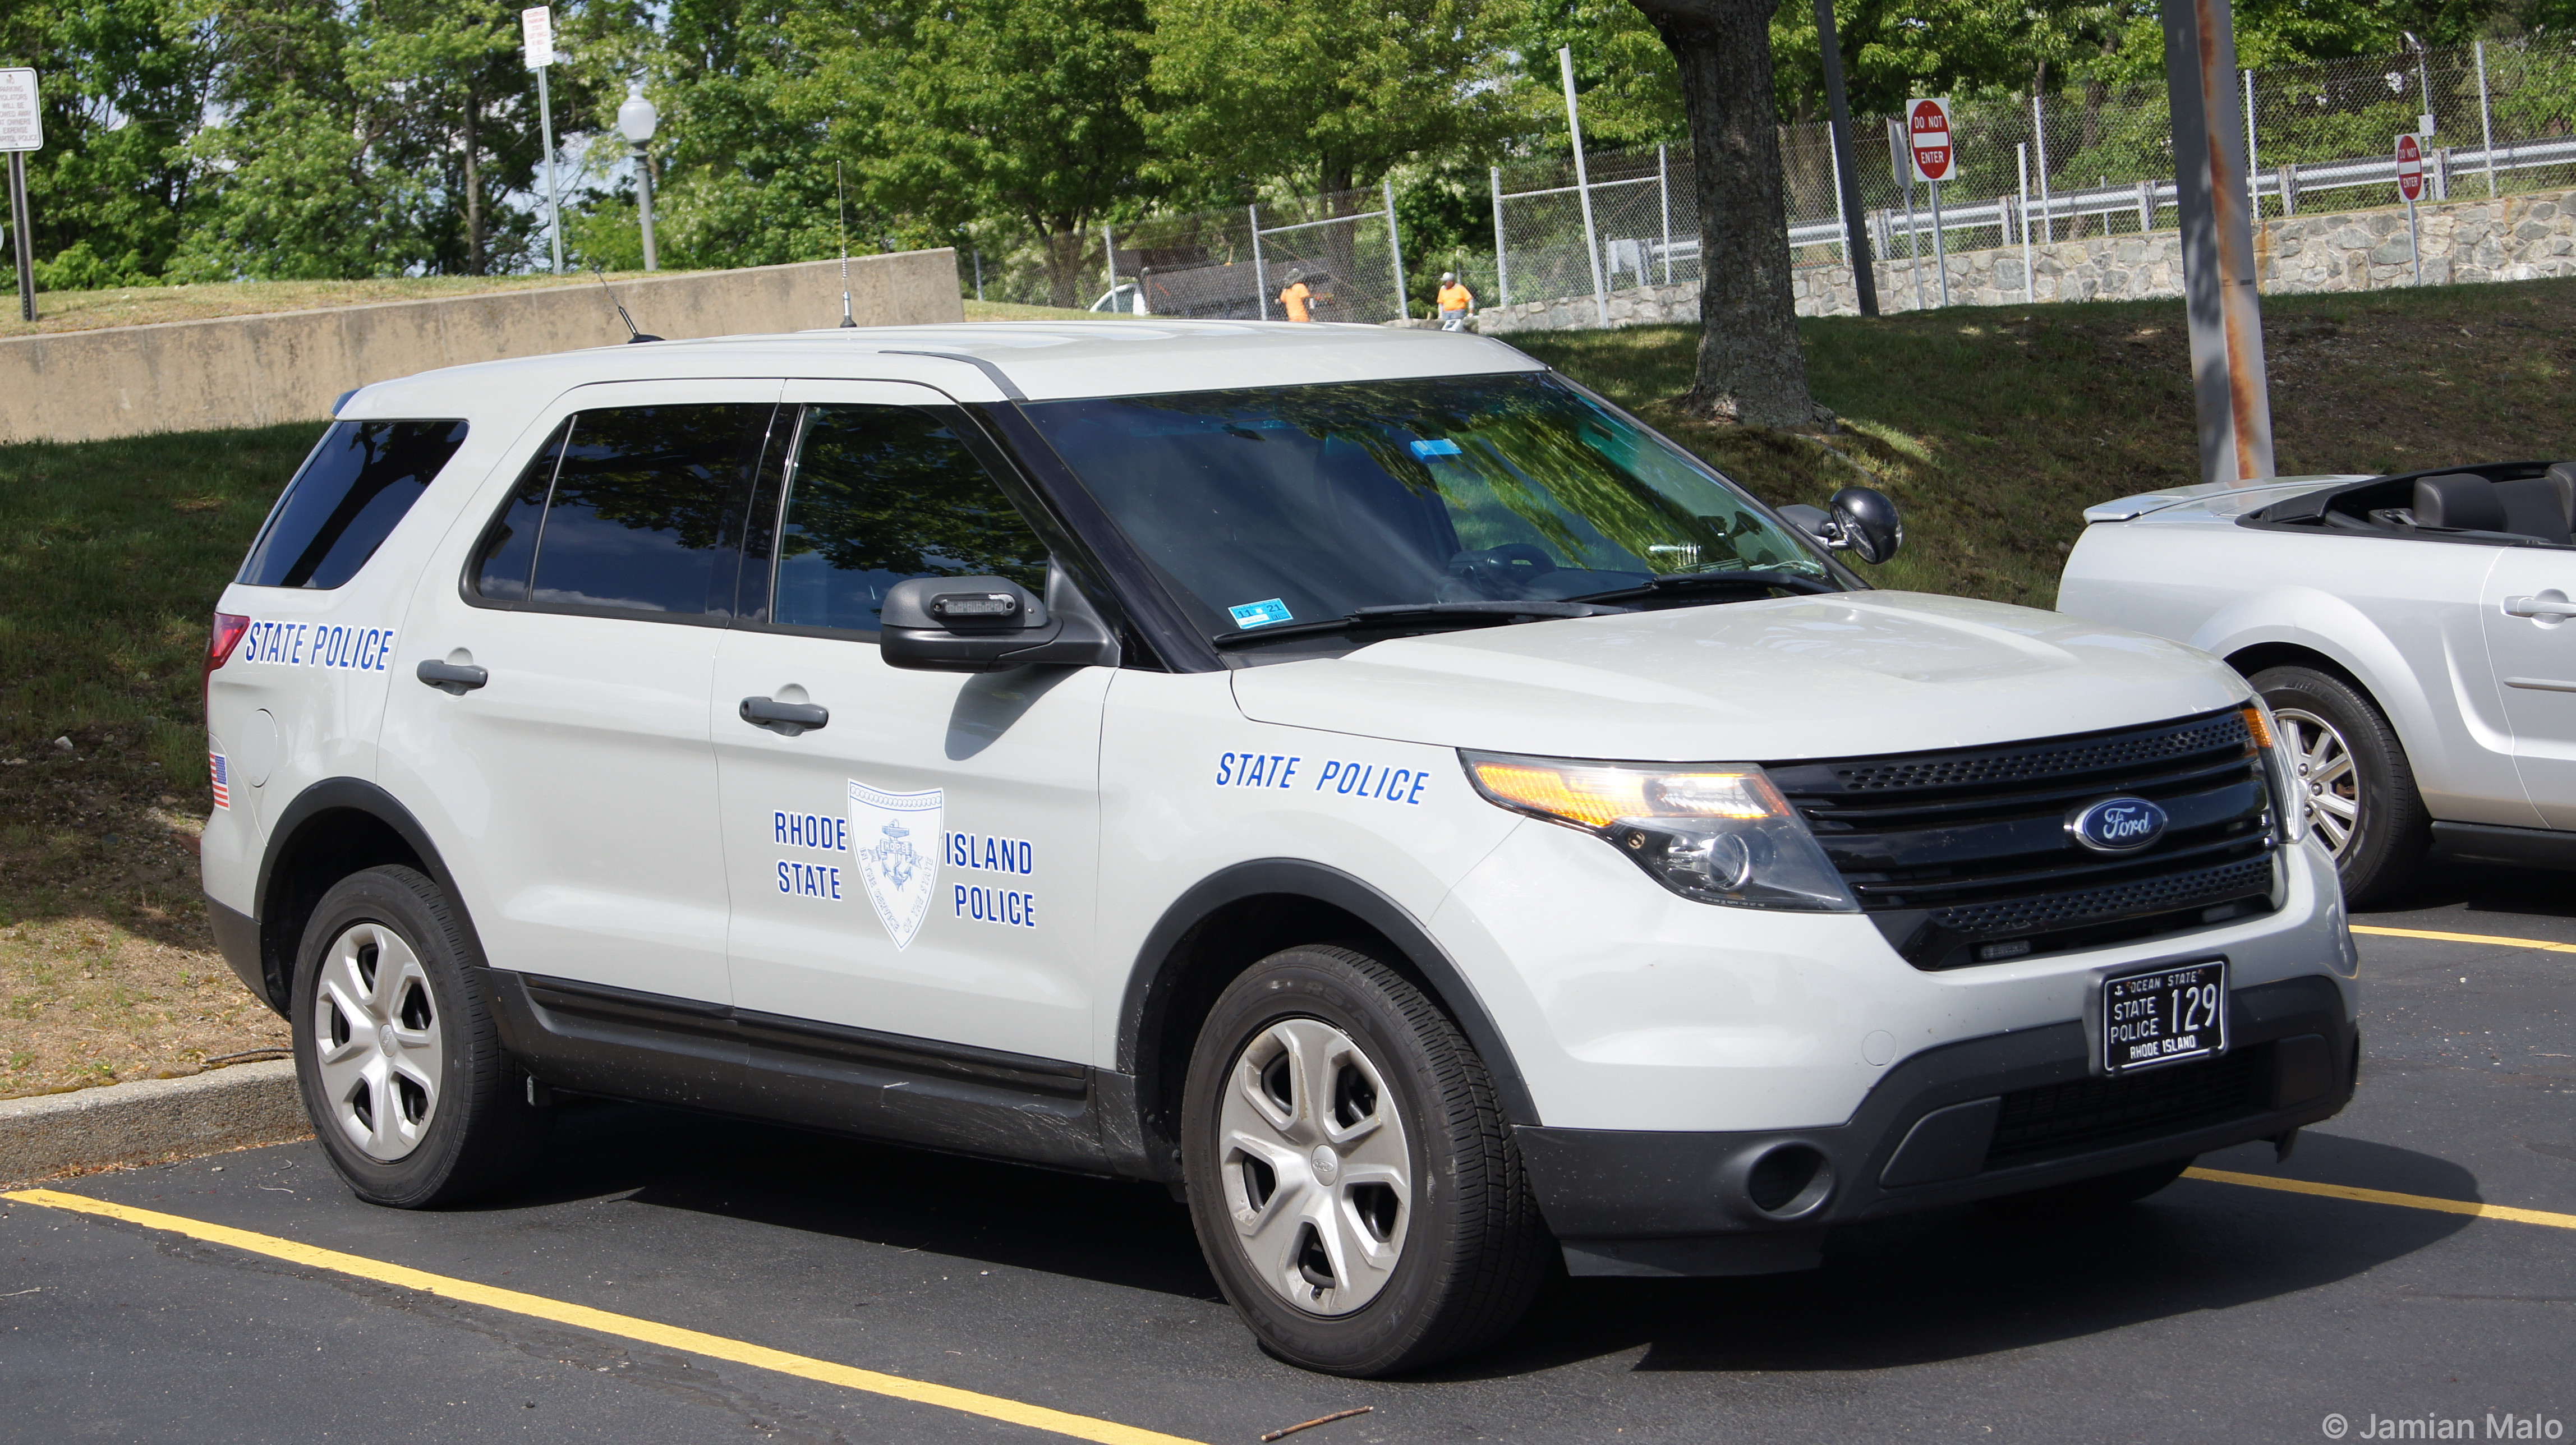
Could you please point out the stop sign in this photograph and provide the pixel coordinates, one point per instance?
(1927, 127)
(2410, 168)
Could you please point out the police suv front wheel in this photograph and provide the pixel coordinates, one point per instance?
(401, 1068)
(1353, 1182)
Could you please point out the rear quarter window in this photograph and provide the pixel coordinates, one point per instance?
(353, 489)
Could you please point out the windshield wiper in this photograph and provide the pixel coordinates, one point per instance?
(1683, 584)
(1420, 615)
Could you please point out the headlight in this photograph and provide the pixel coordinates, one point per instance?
(2281, 760)
(1711, 832)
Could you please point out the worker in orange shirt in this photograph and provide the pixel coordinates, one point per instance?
(1455, 302)
(1298, 299)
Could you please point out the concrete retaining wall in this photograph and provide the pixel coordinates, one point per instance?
(2513, 238)
(290, 366)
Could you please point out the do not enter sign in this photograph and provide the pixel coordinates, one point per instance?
(1927, 126)
(2410, 168)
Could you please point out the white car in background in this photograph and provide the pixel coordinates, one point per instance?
(2413, 632)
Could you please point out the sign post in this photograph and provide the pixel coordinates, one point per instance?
(2410, 184)
(1927, 127)
(537, 38)
(22, 129)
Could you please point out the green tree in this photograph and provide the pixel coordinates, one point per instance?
(947, 112)
(124, 86)
(1326, 95)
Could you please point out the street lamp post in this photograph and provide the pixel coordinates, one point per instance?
(637, 118)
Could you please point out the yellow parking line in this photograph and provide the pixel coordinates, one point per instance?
(2382, 1196)
(2542, 944)
(991, 1407)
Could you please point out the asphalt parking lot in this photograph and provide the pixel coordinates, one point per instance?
(895, 1282)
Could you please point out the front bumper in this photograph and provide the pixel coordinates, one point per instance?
(1970, 1120)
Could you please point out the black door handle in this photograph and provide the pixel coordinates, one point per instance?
(451, 678)
(789, 718)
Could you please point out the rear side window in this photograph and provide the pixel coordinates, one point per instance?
(883, 494)
(353, 489)
(634, 509)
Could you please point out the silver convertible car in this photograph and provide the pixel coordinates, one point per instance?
(2413, 632)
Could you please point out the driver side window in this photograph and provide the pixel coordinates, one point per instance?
(881, 495)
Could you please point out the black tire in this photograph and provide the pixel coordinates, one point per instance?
(2390, 835)
(1473, 1250)
(475, 1131)
(2096, 1195)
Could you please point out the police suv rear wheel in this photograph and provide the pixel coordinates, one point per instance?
(1352, 1179)
(400, 1066)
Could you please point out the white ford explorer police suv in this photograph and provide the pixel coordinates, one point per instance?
(1356, 777)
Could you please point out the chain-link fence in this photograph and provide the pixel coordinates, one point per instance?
(2066, 166)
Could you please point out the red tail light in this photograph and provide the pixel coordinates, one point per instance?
(226, 636)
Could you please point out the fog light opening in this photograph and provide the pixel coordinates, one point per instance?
(1789, 1180)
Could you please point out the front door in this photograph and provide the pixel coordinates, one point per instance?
(921, 860)
(2531, 637)
(575, 770)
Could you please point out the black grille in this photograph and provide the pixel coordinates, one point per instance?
(2048, 760)
(2089, 1114)
(2022, 915)
(1964, 856)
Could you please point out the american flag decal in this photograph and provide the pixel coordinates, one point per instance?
(215, 770)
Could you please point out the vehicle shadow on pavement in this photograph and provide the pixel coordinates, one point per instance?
(2462, 891)
(1972, 1281)
(1108, 1231)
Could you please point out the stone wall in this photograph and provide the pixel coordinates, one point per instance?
(290, 366)
(2513, 238)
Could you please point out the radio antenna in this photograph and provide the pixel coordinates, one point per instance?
(841, 189)
(632, 335)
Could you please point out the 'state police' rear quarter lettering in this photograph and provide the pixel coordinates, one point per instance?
(318, 644)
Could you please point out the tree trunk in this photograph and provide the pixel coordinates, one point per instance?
(1751, 369)
(1064, 265)
(474, 263)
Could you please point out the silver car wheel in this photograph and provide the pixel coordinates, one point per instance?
(1318, 1176)
(2327, 781)
(377, 1039)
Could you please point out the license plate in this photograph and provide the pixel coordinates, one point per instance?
(2164, 1017)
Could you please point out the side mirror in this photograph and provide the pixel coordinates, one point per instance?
(986, 624)
(1868, 523)
(1863, 523)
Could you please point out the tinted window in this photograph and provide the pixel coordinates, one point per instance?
(646, 506)
(509, 548)
(340, 507)
(883, 494)
(1306, 503)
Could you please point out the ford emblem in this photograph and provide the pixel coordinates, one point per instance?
(2118, 825)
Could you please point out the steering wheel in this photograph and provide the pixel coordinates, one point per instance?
(1505, 569)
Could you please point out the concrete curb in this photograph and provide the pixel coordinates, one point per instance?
(151, 1119)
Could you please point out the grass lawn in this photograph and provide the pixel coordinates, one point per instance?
(1993, 428)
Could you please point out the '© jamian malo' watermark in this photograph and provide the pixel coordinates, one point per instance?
(2436, 1427)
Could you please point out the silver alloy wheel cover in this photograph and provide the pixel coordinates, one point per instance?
(382, 1051)
(2325, 771)
(1323, 1169)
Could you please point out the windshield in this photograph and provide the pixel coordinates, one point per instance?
(1306, 504)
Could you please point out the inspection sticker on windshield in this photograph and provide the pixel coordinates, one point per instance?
(1260, 614)
(1435, 447)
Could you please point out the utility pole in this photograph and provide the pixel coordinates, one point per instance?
(2229, 388)
(1846, 179)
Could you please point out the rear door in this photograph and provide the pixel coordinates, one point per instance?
(576, 778)
(923, 862)
(2531, 635)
